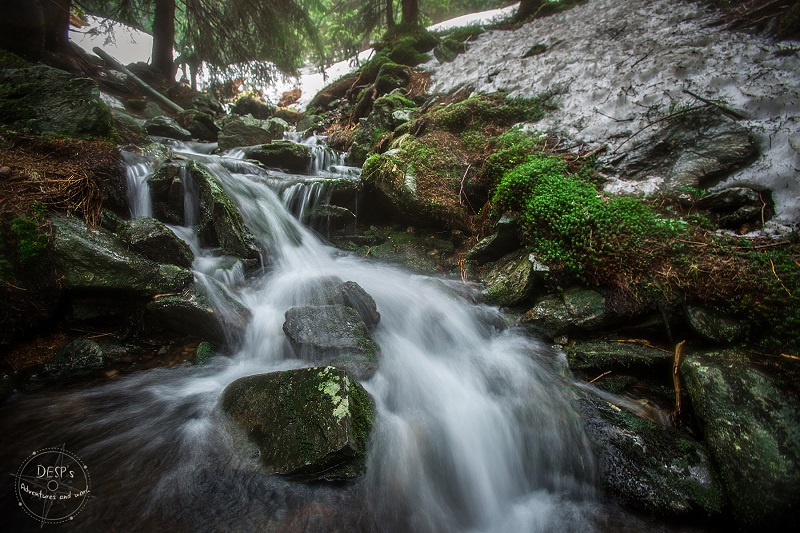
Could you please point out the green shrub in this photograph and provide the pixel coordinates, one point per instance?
(569, 223)
(29, 234)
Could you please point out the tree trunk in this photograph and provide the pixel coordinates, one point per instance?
(164, 38)
(527, 8)
(56, 20)
(410, 12)
(390, 15)
(22, 28)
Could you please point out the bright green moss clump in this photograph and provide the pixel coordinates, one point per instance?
(496, 108)
(568, 222)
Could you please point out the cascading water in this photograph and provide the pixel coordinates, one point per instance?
(474, 429)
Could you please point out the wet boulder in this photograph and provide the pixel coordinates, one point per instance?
(248, 131)
(155, 241)
(576, 310)
(50, 101)
(164, 126)
(750, 418)
(94, 259)
(286, 155)
(332, 334)
(514, 279)
(220, 221)
(649, 466)
(191, 313)
(200, 125)
(351, 294)
(605, 355)
(329, 219)
(311, 423)
(697, 151)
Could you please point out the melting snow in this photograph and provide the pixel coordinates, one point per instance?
(615, 64)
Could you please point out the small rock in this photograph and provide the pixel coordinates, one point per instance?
(155, 241)
(576, 310)
(351, 294)
(602, 355)
(514, 279)
(78, 357)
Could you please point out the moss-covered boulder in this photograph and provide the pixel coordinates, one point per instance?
(220, 222)
(575, 311)
(496, 245)
(251, 104)
(165, 126)
(248, 131)
(651, 467)
(514, 279)
(154, 240)
(332, 334)
(191, 313)
(751, 422)
(286, 155)
(93, 259)
(80, 356)
(380, 121)
(392, 76)
(200, 125)
(605, 355)
(311, 423)
(43, 99)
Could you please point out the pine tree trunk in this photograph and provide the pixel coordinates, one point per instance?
(410, 12)
(56, 19)
(164, 38)
(390, 15)
(22, 28)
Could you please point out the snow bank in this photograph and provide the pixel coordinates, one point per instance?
(616, 64)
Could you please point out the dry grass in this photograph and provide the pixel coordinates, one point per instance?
(61, 174)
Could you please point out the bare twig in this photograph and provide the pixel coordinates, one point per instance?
(604, 374)
(732, 113)
(676, 379)
(662, 119)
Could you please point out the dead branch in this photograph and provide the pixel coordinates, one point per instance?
(731, 113)
(676, 380)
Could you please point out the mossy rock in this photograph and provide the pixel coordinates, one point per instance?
(514, 279)
(392, 76)
(751, 422)
(80, 356)
(248, 131)
(220, 221)
(311, 423)
(403, 52)
(605, 355)
(46, 100)
(250, 104)
(286, 155)
(651, 467)
(97, 260)
(577, 310)
(154, 240)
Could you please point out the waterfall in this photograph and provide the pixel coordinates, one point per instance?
(475, 430)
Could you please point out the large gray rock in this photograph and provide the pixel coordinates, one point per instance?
(605, 355)
(164, 126)
(248, 104)
(248, 131)
(46, 100)
(576, 310)
(192, 313)
(155, 241)
(311, 423)
(285, 155)
(93, 259)
(200, 125)
(651, 467)
(751, 422)
(697, 150)
(514, 279)
(332, 334)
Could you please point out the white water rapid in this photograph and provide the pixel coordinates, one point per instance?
(475, 431)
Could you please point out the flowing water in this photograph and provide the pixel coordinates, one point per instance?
(475, 431)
